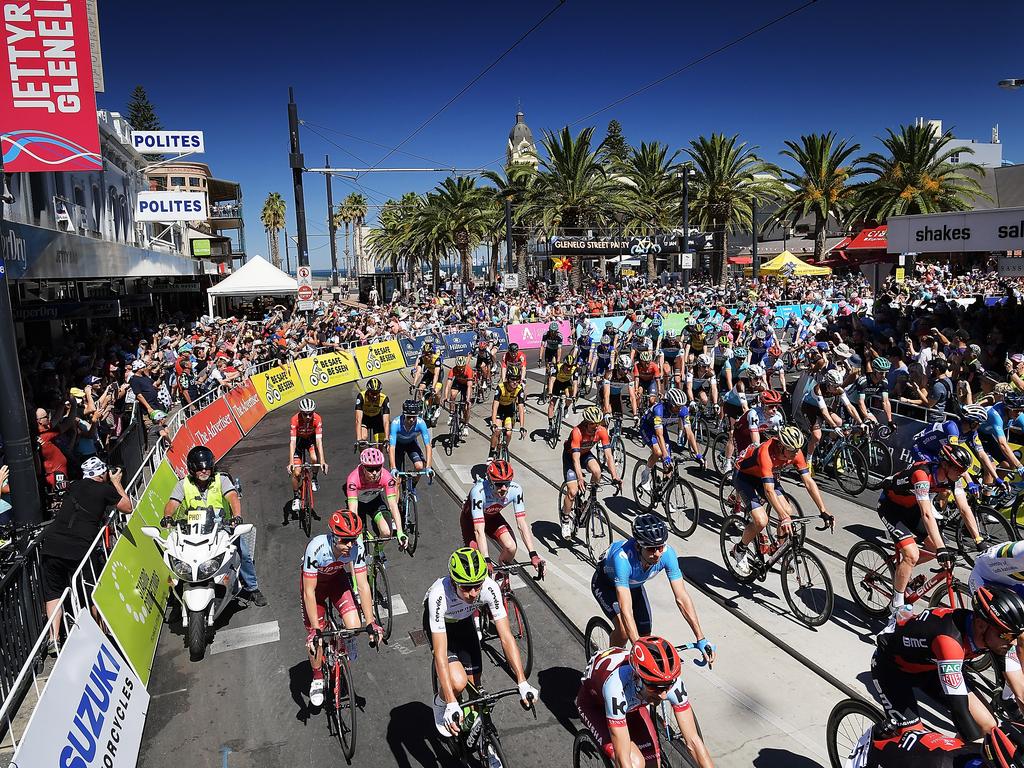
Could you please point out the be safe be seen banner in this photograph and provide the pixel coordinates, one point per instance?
(47, 101)
(278, 386)
(375, 359)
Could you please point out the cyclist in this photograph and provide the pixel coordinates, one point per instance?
(615, 696)
(508, 407)
(908, 514)
(927, 652)
(774, 366)
(577, 452)
(754, 480)
(424, 373)
(333, 561)
(305, 439)
(550, 348)
(513, 357)
(759, 422)
(815, 408)
(736, 401)
(370, 490)
(917, 747)
(696, 340)
(701, 385)
(648, 375)
(603, 353)
(672, 359)
(961, 430)
(373, 412)
(618, 381)
(670, 410)
(874, 385)
(404, 440)
(733, 368)
(561, 377)
(618, 583)
(1001, 417)
(1002, 565)
(584, 350)
(482, 519)
(484, 360)
(448, 610)
(460, 379)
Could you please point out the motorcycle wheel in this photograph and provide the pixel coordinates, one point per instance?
(196, 635)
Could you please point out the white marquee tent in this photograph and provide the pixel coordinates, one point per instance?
(257, 277)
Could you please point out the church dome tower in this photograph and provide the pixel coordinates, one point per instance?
(521, 146)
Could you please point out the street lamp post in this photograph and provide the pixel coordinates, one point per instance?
(755, 257)
(686, 172)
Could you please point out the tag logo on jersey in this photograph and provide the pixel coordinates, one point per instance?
(914, 642)
(951, 674)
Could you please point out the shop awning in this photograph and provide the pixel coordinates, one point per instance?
(741, 261)
(869, 240)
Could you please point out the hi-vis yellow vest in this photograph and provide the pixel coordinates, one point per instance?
(213, 499)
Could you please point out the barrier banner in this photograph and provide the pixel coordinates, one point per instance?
(460, 343)
(132, 591)
(246, 406)
(411, 347)
(214, 428)
(375, 359)
(92, 710)
(327, 370)
(675, 321)
(182, 443)
(278, 386)
(502, 337)
(529, 335)
(597, 324)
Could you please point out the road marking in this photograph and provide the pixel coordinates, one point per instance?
(464, 472)
(243, 637)
(168, 693)
(398, 606)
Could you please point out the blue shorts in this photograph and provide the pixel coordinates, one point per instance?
(601, 366)
(650, 387)
(603, 589)
(412, 450)
(752, 491)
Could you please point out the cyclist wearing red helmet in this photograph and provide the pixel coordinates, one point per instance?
(369, 489)
(331, 562)
(482, 519)
(614, 697)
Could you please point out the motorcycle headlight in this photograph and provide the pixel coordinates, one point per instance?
(210, 567)
(180, 568)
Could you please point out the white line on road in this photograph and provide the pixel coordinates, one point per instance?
(167, 693)
(398, 606)
(243, 637)
(464, 473)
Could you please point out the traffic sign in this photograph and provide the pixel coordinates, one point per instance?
(304, 277)
(305, 293)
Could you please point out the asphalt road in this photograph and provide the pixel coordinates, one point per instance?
(247, 707)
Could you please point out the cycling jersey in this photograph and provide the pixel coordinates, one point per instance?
(461, 375)
(564, 373)
(914, 748)
(735, 397)
(863, 388)
(363, 489)
(552, 340)
(1000, 564)
(762, 461)
(610, 678)
(604, 354)
(519, 358)
(619, 380)
(646, 372)
(306, 426)
(623, 565)
(484, 356)
(507, 396)
(659, 416)
(927, 443)
(755, 419)
(399, 434)
(697, 341)
(699, 379)
(998, 423)
(371, 408)
(445, 606)
(484, 500)
(429, 362)
(671, 348)
(918, 482)
(579, 442)
(320, 561)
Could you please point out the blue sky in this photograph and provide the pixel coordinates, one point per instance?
(376, 70)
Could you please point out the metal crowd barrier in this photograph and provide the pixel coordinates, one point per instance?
(22, 615)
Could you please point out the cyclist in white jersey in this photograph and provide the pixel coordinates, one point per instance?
(1003, 565)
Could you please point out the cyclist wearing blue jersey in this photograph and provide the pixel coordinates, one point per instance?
(653, 424)
(404, 439)
(618, 583)
(1001, 417)
(603, 355)
(672, 358)
(962, 430)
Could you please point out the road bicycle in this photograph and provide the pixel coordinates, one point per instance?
(708, 423)
(407, 505)
(616, 443)
(517, 621)
(377, 578)
(554, 433)
(307, 509)
(840, 459)
(585, 380)
(339, 692)
(456, 424)
(478, 741)
(674, 495)
(848, 724)
(805, 582)
(590, 517)
(869, 438)
(484, 386)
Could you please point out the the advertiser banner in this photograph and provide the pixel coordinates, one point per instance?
(47, 103)
(278, 386)
(246, 406)
(411, 347)
(460, 343)
(214, 428)
(327, 370)
(182, 443)
(132, 591)
(91, 712)
(529, 335)
(375, 359)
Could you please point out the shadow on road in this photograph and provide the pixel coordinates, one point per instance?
(558, 687)
(413, 739)
(783, 758)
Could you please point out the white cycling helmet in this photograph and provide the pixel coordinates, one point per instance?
(606, 339)
(704, 360)
(976, 413)
(833, 379)
(755, 372)
(307, 405)
(623, 362)
(675, 397)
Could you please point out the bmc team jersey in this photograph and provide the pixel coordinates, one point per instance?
(580, 443)
(610, 676)
(445, 605)
(319, 560)
(399, 434)
(918, 482)
(359, 488)
(307, 426)
(623, 566)
(915, 748)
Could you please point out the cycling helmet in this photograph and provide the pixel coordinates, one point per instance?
(740, 353)
(792, 438)
(646, 356)
(656, 322)
(650, 530)
(428, 347)
(655, 661)
(93, 467)
(307, 405)
(774, 351)
(622, 362)
(771, 397)
(833, 378)
(704, 360)
(675, 397)
(609, 324)
(755, 372)
(513, 372)
(1001, 607)
(374, 385)
(412, 408)
(499, 472)
(345, 524)
(1003, 746)
(671, 333)
(956, 455)
(593, 415)
(606, 339)
(552, 326)
(976, 413)
(199, 458)
(570, 359)
(513, 347)
(460, 361)
(467, 567)
(371, 457)
(880, 365)
(1014, 400)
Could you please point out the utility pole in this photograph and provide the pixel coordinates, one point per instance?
(331, 229)
(287, 254)
(755, 257)
(13, 418)
(297, 163)
(508, 234)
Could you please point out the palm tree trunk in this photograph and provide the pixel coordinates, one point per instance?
(358, 237)
(275, 251)
(521, 262)
(723, 264)
(435, 273)
(602, 264)
(348, 260)
(492, 274)
(819, 237)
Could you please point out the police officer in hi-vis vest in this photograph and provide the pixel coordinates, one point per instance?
(205, 488)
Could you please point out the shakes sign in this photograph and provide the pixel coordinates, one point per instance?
(1001, 229)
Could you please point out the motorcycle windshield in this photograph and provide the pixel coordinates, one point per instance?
(201, 522)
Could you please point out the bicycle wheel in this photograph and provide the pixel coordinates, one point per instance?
(619, 455)
(729, 501)
(848, 721)
(719, 462)
(701, 432)
(586, 753)
(598, 636)
(599, 531)
(491, 753)
(879, 459)
(681, 507)
(850, 469)
(382, 606)
(306, 507)
(502, 453)
(643, 497)
(732, 530)
(869, 574)
(993, 527)
(807, 587)
(520, 632)
(411, 523)
(939, 598)
(344, 702)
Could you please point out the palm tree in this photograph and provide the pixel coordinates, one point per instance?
(458, 218)
(652, 192)
(917, 176)
(728, 178)
(273, 218)
(820, 186)
(357, 207)
(515, 185)
(343, 217)
(573, 189)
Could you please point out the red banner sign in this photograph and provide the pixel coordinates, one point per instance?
(182, 443)
(214, 428)
(47, 101)
(246, 406)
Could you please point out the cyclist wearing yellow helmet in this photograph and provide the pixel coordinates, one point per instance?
(461, 379)
(577, 452)
(373, 412)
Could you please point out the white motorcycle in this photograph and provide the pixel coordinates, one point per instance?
(204, 561)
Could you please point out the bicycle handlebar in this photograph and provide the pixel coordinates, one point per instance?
(694, 646)
(489, 698)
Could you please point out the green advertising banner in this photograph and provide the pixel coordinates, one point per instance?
(132, 591)
(200, 247)
(675, 321)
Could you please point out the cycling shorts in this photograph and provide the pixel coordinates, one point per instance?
(904, 524)
(507, 412)
(569, 471)
(494, 526)
(336, 590)
(560, 387)
(603, 589)
(371, 510)
(303, 445)
(412, 450)
(463, 643)
(750, 489)
(550, 355)
(991, 446)
(812, 413)
(650, 387)
(429, 376)
(374, 424)
(641, 728)
(732, 410)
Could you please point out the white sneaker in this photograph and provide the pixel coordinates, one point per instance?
(465, 430)
(566, 528)
(296, 505)
(316, 486)
(740, 561)
(316, 692)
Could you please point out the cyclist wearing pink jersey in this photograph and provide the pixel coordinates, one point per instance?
(369, 489)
